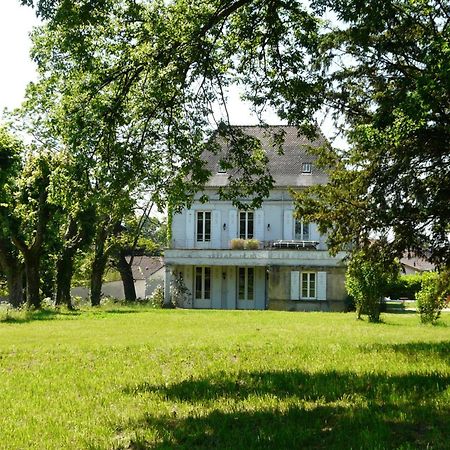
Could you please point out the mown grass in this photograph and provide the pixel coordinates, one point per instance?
(131, 378)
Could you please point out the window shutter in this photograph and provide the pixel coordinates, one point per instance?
(232, 224)
(321, 285)
(190, 228)
(216, 229)
(295, 285)
(288, 224)
(259, 224)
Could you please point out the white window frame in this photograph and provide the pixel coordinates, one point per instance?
(308, 285)
(245, 234)
(302, 229)
(203, 224)
(246, 283)
(306, 167)
(203, 279)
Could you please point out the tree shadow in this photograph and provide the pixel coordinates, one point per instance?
(414, 350)
(295, 409)
(17, 316)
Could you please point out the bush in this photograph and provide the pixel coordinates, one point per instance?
(369, 272)
(157, 297)
(405, 286)
(251, 244)
(432, 298)
(237, 244)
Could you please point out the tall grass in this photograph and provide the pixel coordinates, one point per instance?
(133, 378)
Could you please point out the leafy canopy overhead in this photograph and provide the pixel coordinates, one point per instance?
(381, 68)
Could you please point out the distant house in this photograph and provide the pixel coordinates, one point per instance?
(148, 273)
(290, 268)
(413, 264)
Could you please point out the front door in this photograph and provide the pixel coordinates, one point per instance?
(202, 287)
(245, 287)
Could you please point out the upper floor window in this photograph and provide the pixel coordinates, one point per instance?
(203, 232)
(302, 230)
(246, 224)
(306, 167)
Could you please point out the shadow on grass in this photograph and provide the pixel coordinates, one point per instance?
(27, 316)
(13, 316)
(416, 350)
(294, 409)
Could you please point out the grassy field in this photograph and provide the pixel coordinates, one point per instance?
(135, 378)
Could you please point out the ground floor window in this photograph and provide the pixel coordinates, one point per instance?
(246, 277)
(308, 285)
(203, 283)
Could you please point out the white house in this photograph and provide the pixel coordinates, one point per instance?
(290, 270)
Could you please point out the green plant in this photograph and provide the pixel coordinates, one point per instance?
(405, 286)
(157, 297)
(237, 244)
(431, 299)
(251, 244)
(368, 274)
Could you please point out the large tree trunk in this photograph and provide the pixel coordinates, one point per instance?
(98, 265)
(126, 274)
(98, 269)
(64, 273)
(13, 270)
(14, 279)
(32, 260)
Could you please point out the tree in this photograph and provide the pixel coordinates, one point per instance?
(381, 68)
(369, 274)
(11, 265)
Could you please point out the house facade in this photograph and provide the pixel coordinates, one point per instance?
(284, 264)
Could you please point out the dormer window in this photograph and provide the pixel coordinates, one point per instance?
(306, 167)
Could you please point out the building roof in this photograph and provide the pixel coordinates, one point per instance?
(417, 264)
(285, 168)
(145, 266)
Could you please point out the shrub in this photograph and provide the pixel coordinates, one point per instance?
(237, 244)
(157, 297)
(405, 286)
(432, 298)
(251, 244)
(368, 275)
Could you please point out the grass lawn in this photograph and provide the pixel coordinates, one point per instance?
(134, 378)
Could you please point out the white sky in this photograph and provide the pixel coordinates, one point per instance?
(17, 69)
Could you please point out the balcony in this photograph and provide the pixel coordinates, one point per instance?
(270, 253)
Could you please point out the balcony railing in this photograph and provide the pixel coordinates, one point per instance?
(292, 244)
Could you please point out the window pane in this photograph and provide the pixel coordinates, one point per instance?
(249, 225)
(298, 229)
(241, 283)
(199, 226)
(250, 279)
(198, 282)
(305, 236)
(242, 221)
(312, 285)
(207, 293)
(207, 226)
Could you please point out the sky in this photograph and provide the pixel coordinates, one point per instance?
(17, 69)
(16, 23)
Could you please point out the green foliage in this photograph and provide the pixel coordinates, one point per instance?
(432, 297)
(130, 376)
(157, 297)
(405, 286)
(367, 279)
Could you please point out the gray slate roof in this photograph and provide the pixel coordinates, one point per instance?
(286, 168)
(145, 266)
